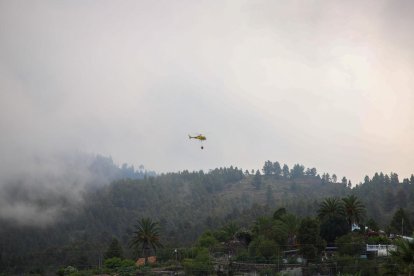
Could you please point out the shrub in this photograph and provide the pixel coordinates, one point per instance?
(200, 265)
(351, 244)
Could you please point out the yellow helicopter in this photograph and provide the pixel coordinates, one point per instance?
(199, 137)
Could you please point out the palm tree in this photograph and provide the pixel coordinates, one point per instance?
(404, 256)
(263, 226)
(292, 226)
(330, 207)
(354, 209)
(231, 230)
(146, 237)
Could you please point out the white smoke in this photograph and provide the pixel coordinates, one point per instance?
(45, 188)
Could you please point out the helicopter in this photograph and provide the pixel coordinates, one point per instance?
(199, 137)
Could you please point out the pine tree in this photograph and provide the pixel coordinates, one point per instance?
(114, 250)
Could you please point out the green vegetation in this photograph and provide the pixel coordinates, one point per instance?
(145, 238)
(403, 257)
(217, 220)
(114, 250)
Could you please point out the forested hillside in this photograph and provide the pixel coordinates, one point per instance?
(186, 204)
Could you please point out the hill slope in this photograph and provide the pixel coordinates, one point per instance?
(185, 204)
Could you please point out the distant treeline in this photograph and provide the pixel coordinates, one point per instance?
(298, 171)
(105, 167)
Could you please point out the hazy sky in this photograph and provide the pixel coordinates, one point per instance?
(328, 84)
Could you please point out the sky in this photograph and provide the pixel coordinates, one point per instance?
(327, 84)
